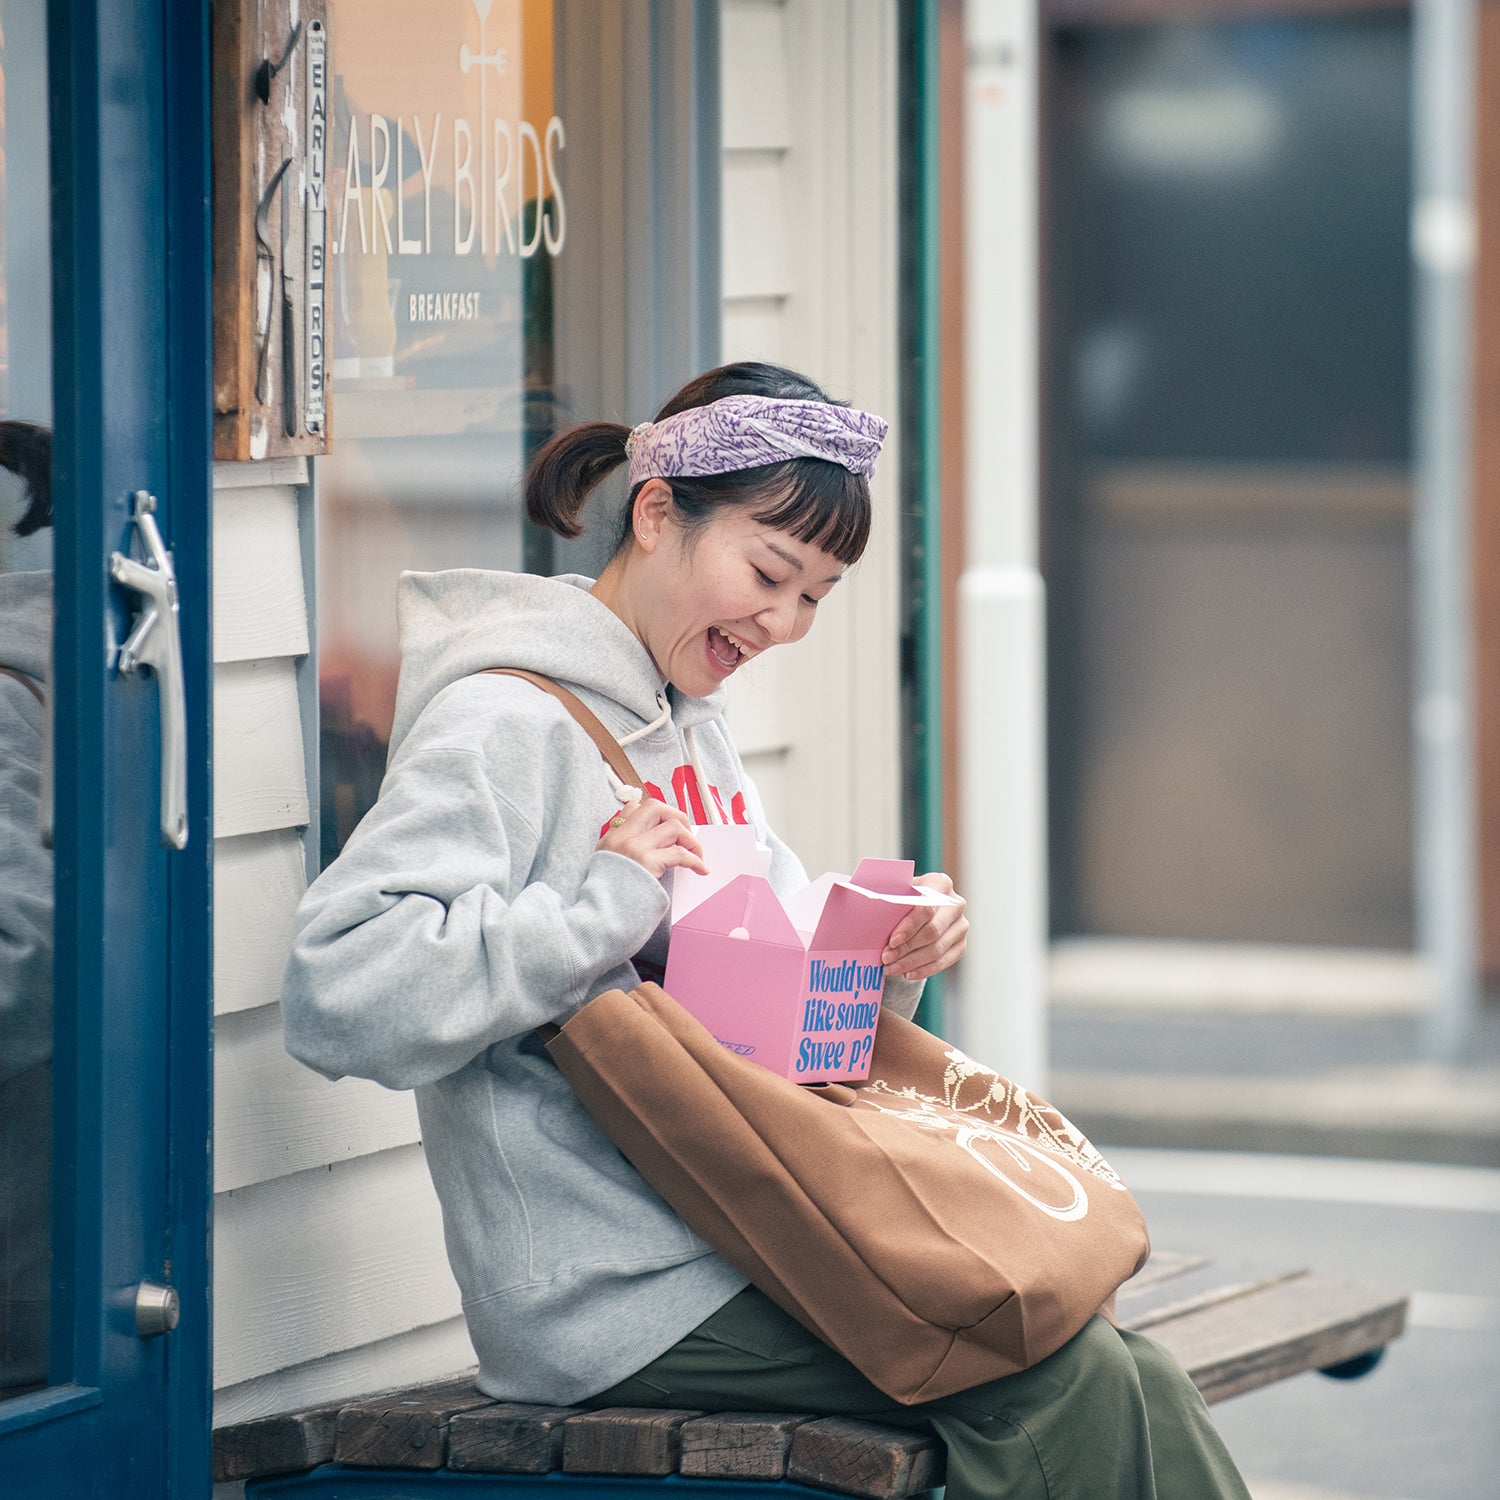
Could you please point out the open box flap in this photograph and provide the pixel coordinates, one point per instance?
(746, 905)
(887, 877)
(891, 880)
(806, 906)
(855, 916)
(729, 850)
(853, 919)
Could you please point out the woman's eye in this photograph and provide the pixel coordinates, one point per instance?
(766, 579)
(808, 599)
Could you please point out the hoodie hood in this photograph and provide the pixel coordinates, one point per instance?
(466, 620)
(26, 623)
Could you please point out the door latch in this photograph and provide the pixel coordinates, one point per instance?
(155, 641)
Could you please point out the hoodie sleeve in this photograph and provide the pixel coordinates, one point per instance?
(788, 877)
(425, 942)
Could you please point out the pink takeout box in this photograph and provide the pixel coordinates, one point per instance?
(795, 986)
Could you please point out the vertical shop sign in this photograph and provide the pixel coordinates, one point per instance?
(317, 220)
(272, 132)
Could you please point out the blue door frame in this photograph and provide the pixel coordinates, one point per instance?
(131, 276)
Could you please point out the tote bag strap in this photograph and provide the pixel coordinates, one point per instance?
(608, 746)
(31, 687)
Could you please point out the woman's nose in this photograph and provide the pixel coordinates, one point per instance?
(779, 620)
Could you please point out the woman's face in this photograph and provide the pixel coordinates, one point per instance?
(707, 602)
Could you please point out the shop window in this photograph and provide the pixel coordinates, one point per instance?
(448, 199)
(487, 168)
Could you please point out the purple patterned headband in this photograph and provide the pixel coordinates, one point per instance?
(746, 432)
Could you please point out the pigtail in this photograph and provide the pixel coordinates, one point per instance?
(567, 469)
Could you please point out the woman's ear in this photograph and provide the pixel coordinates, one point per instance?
(653, 509)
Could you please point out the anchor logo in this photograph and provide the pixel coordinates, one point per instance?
(484, 61)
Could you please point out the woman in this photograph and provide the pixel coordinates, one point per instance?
(479, 899)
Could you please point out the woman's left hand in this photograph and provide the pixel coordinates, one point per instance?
(927, 939)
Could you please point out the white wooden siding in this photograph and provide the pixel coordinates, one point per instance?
(273, 1117)
(809, 267)
(329, 1271)
(259, 609)
(258, 880)
(260, 781)
(325, 1261)
(405, 1359)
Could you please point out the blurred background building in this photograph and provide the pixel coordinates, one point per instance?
(1266, 496)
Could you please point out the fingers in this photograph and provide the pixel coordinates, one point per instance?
(934, 949)
(679, 855)
(927, 940)
(655, 836)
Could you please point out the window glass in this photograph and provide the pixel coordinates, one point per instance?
(25, 634)
(1227, 191)
(1229, 314)
(448, 221)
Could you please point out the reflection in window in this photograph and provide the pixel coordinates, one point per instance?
(25, 651)
(448, 213)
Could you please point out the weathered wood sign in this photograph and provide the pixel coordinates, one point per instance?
(271, 137)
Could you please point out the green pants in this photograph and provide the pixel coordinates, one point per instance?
(1109, 1416)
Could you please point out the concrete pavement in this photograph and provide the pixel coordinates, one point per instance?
(1274, 1050)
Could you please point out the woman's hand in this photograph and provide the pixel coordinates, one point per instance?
(655, 836)
(928, 939)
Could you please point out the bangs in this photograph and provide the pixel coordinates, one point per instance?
(816, 501)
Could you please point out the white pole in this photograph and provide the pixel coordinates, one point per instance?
(1443, 239)
(1001, 1009)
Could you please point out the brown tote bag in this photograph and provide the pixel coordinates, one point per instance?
(937, 1225)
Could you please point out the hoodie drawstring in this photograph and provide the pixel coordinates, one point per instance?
(705, 791)
(664, 717)
(630, 795)
(622, 791)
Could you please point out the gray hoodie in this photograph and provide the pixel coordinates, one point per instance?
(471, 906)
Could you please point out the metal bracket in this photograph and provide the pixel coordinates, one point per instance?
(155, 641)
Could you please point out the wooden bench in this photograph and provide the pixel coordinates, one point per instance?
(1232, 1327)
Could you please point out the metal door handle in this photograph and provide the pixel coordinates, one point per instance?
(155, 641)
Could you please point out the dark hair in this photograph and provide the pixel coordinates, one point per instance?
(26, 450)
(815, 500)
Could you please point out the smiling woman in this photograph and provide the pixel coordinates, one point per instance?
(749, 496)
(508, 875)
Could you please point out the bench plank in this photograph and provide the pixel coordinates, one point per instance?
(1163, 1265)
(863, 1458)
(738, 1445)
(625, 1440)
(509, 1437)
(1204, 1286)
(1233, 1326)
(404, 1431)
(1282, 1330)
(285, 1443)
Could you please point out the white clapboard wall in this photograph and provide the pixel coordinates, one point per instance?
(329, 1272)
(810, 281)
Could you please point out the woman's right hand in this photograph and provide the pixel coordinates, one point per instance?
(655, 836)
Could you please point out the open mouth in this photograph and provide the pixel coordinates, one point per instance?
(725, 649)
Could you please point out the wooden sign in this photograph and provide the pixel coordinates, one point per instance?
(271, 138)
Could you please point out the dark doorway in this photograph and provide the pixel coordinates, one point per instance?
(1227, 478)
